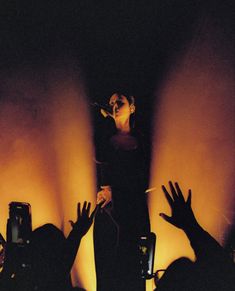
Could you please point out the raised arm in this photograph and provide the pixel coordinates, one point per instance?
(79, 229)
(182, 216)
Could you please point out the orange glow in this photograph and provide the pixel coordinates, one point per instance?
(73, 147)
(47, 155)
(194, 144)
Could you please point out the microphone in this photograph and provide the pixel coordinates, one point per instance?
(106, 110)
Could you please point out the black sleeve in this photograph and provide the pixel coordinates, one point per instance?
(102, 136)
(143, 143)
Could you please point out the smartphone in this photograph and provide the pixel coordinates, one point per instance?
(147, 245)
(2, 250)
(19, 224)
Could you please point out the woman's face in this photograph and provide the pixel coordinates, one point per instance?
(121, 108)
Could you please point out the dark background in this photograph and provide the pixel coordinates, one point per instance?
(118, 45)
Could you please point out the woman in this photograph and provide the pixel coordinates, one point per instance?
(124, 218)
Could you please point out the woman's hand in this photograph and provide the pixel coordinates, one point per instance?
(104, 196)
(106, 113)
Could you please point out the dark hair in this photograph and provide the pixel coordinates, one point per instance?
(180, 275)
(131, 101)
(129, 98)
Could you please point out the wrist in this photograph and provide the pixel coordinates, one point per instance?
(192, 229)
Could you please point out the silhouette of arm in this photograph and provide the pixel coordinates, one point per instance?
(79, 229)
(203, 244)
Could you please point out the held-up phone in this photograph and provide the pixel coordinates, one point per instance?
(19, 224)
(2, 250)
(147, 250)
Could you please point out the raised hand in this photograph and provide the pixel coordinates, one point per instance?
(84, 219)
(181, 212)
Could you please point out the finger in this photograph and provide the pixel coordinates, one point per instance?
(100, 197)
(88, 208)
(166, 217)
(105, 113)
(100, 200)
(180, 195)
(189, 197)
(168, 197)
(84, 208)
(79, 210)
(174, 194)
(100, 193)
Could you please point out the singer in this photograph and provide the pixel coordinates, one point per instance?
(124, 214)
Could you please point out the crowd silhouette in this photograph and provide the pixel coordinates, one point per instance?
(44, 264)
(213, 268)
